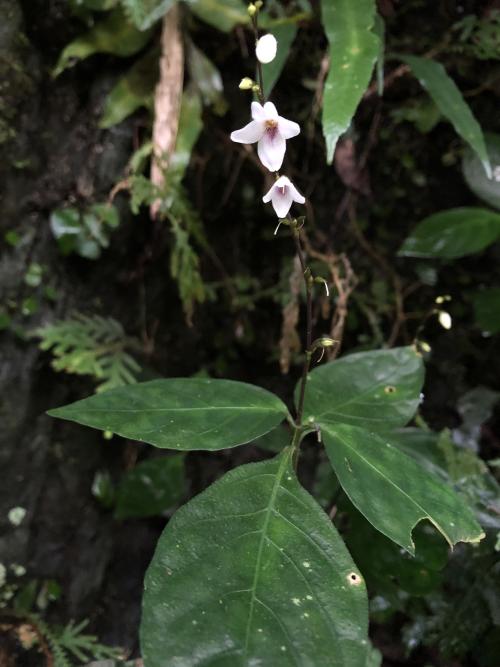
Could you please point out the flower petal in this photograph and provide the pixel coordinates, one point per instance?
(300, 199)
(270, 111)
(269, 194)
(249, 134)
(283, 181)
(287, 128)
(271, 150)
(257, 111)
(282, 202)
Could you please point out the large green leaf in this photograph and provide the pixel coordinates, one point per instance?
(453, 233)
(392, 491)
(353, 52)
(485, 187)
(114, 34)
(152, 487)
(378, 390)
(285, 34)
(221, 14)
(206, 79)
(134, 90)
(144, 13)
(450, 101)
(252, 572)
(181, 413)
(487, 309)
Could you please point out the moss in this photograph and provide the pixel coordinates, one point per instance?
(16, 83)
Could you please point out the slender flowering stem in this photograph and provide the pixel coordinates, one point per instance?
(260, 75)
(306, 272)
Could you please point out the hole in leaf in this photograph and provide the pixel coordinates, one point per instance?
(354, 579)
(389, 389)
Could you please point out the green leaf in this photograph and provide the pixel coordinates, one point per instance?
(392, 491)
(114, 34)
(378, 390)
(134, 90)
(276, 440)
(94, 5)
(85, 233)
(285, 34)
(181, 413)
(383, 564)
(487, 309)
(94, 346)
(190, 126)
(450, 101)
(144, 13)
(453, 233)
(379, 30)
(353, 51)
(151, 487)
(486, 188)
(221, 14)
(252, 572)
(206, 79)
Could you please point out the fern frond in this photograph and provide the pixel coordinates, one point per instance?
(91, 345)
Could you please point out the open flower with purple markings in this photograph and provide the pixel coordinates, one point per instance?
(282, 195)
(270, 131)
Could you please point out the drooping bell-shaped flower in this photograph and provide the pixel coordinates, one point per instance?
(282, 194)
(271, 131)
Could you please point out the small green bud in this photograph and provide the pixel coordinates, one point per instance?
(252, 9)
(246, 83)
(256, 88)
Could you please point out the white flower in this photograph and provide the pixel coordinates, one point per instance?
(270, 131)
(282, 195)
(266, 48)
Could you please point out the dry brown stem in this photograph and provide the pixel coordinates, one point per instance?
(168, 95)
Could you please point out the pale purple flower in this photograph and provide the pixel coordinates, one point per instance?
(270, 131)
(282, 194)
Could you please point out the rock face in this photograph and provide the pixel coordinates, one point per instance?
(53, 154)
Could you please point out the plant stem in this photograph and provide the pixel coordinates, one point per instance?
(308, 284)
(260, 75)
(306, 272)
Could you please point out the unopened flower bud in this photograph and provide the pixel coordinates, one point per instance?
(252, 9)
(325, 341)
(443, 299)
(246, 83)
(258, 4)
(444, 319)
(266, 48)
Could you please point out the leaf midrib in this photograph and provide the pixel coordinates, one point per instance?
(194, 409)
(265, 525)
